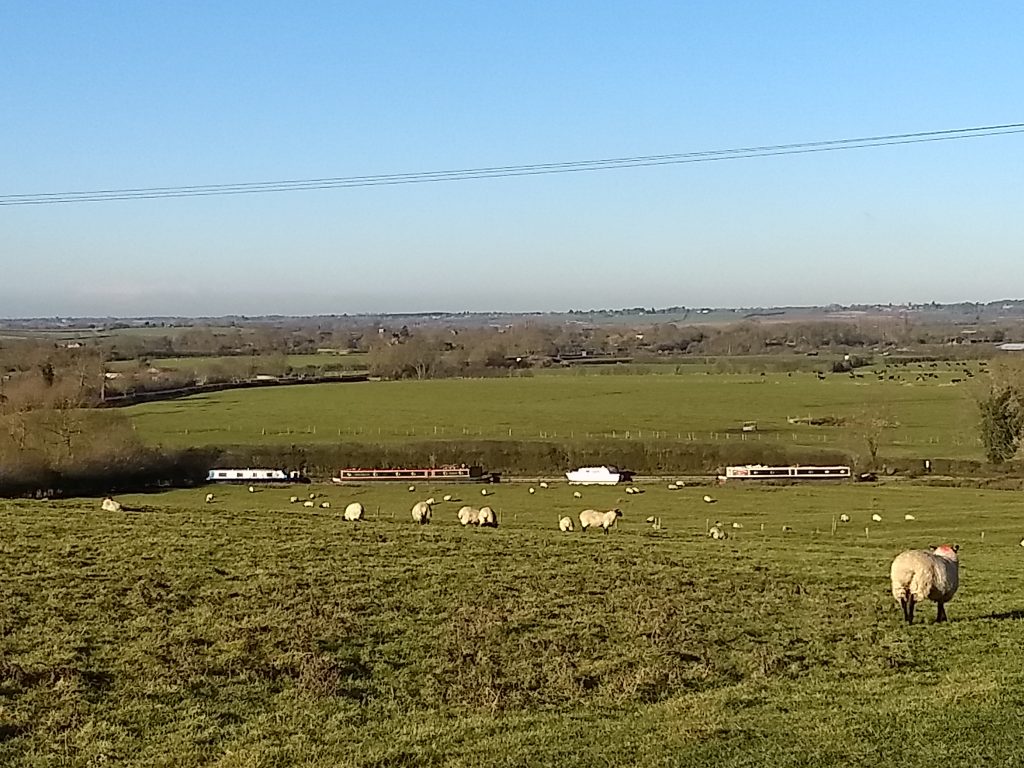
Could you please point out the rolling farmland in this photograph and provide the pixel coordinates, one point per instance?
(931, 417)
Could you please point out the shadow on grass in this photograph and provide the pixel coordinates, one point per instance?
(1006, 615)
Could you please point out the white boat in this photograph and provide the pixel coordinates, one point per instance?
(594, 476)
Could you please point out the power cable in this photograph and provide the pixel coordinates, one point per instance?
(507, 171)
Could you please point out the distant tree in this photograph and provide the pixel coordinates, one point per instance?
(1001, 422)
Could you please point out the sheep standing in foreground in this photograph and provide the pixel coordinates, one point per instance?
(109, 505)
(421, 512)
(353, 512)
(487, 518)
(919, 574)
(591, 518)
(469, 516)
(565, 524)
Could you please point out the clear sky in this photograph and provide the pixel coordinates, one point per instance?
(105, 95)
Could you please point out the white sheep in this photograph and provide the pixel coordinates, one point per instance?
(591, 518)
(577, 495)
(293, 499)
(909, 518)
(565, 524)
(354, 512)
(787, 529)
(325, 505)
(431, 501)
(844, 518)
(717, 532)
(919, 575)
(412, 488)
(650, 519)
(876, 517)
(469, 516)
(308, 504)
(421, 512)
(709, 500)
(109, 505)
(673, 487)
(737, 525)
(487, 518)
(252, 489)
(484, 492)
(446, 497)
(312, 496)
(209, 498)
(532, 489)
(543, 485)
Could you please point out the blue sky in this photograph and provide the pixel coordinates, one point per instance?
(111, 95)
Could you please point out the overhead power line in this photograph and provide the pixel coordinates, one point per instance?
(506, 171)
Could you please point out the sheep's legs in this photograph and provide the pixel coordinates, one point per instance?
(942, 613)
(907, 604)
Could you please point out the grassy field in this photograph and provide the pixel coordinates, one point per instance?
(254, 632)
(928, 417)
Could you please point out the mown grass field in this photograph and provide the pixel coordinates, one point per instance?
(928, 417)
(254, 632)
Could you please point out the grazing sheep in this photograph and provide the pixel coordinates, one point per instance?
(709, 500)
(673, 487)
(446, 497)
(629, 490)
(109, 505)
(209, 498)
(354, 512)
(412, 488)
(737, 525)
(649, 519)
(308, 504)
(876, 517)
(325, 505)
(717, 532)
(487, 518)
(577, 495)
(844, 518)
(293, 499)
(469, 516)
(543, 485)
(787, 529)
(252, 489)
(919, 575)
(484, 492)
(909, 517)
(532, 489)
(312, 496)
(591, 518)
(565, 524)
(421, 512)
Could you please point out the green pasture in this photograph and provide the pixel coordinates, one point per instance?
(255, 632)
(930, 417)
